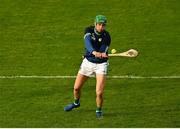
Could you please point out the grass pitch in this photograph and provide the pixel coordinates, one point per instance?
(45, 37)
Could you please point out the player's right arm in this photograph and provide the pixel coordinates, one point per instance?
(88, 44)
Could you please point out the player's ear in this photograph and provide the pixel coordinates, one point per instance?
(94, 23)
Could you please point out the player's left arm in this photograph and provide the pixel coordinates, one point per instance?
(105, 46)
(103, 50)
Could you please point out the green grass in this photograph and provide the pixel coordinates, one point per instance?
(128, 103)
(45, 37)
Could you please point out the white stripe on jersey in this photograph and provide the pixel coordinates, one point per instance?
(86, 35)
(106, 49)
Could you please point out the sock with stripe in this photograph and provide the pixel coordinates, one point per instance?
(76, 101)
(98, 109)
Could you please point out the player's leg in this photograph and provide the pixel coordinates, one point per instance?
(100, 83)
(101, 72)
(79, 82)
(82, 76)
(84, 72)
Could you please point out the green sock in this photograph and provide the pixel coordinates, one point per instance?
(76, 101)
(98, 109)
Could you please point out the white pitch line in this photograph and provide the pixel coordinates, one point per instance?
(112, 77)
(145, 77)
(36, 76)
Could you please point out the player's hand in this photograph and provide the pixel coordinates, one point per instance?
(104, 55)
(97, 54)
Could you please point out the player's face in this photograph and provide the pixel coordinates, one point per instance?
(100, 27)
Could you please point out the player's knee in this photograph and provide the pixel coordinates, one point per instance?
(76, 89)
(99, 93)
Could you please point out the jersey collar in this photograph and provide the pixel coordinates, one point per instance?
(96, 31)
